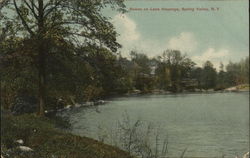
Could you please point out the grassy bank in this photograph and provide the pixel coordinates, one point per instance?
(41, 135)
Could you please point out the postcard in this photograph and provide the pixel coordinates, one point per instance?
(124, 78)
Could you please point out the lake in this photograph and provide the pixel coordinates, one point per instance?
(206, 125)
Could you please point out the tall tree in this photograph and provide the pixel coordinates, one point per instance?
(142, 71)
(177, 67)
(238, 72)
(78, 22)
(220, 83)
(196, 73)
(208, 75)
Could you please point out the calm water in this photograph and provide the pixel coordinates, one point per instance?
(206, 124)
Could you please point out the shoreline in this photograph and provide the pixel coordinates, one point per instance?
(174, 93)
(107, 99)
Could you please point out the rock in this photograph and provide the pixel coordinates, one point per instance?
(25, 148)
(24, 104)
(136, 91)
(89, 103)
(19, 151)
(246, 155)
(231, 89)
(99, 102)
(77, 105)
(53, 156)
(68, 107)
(20, 141)
(197, 90)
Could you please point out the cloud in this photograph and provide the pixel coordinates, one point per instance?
(215, 56)
(131, 39)
(185, 42)
(129, 36)
(126, 27)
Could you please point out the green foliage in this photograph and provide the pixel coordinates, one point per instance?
(173, 68)
(44, 39)
(235, 74)
(141, 61)
(140, 71)
(238, 73)
(40, 134)
(17, 74)
(92, 92)
(208, 79)
(163, 76)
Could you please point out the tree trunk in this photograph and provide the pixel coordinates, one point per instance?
(0, 92)
(41, 82)
(42, 58)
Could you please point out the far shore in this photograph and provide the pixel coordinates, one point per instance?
(235, 89)
(196, 91)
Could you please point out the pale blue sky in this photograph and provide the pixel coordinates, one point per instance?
(221, 35)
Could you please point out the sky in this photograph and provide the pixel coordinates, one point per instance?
(219, 35)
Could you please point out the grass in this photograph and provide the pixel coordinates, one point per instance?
(41, 134)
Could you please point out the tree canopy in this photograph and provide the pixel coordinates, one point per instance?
(56, 29)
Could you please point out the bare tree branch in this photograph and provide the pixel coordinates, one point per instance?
(31, 8)
(33, 4)
(57, 3)
(23, 20)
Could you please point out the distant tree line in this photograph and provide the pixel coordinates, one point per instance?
(175, 72)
